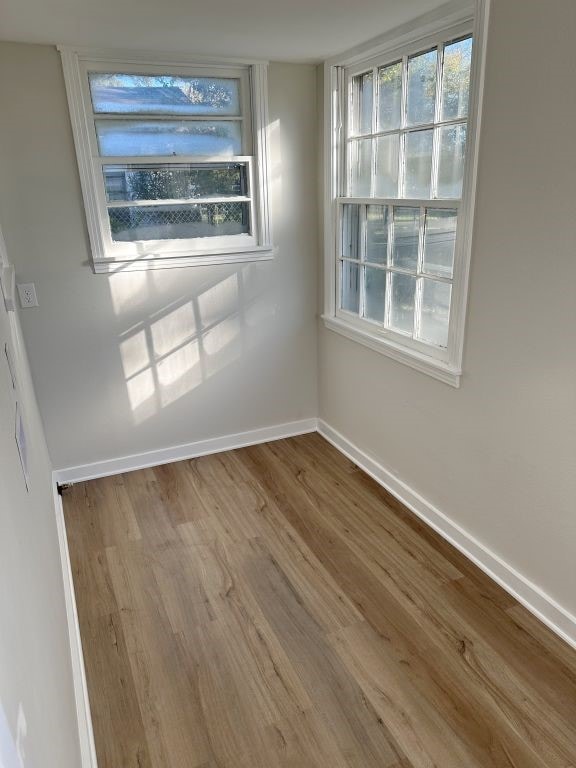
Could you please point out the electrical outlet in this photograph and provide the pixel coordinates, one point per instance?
(27, 294)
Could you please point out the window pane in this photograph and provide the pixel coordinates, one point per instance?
(377, 234)
(148, 137)
(389, 97)
(176, 222)
(451, 161)
(164, 182)
(418, 164)
(387, 152)
(435, 312)
(422, 88)
(374, 293)
(402, 302)
(164, 94)
(350, 287)
(439, 241)
(361, 167)
(362, 103)
(350, 229)
(456, 79)
(406, 238)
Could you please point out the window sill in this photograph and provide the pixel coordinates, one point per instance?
(105, 266)
(428, 365)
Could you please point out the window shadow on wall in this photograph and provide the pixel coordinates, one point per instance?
(174, 350)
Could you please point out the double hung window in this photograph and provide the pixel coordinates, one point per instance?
(172, 158)
(401, 211)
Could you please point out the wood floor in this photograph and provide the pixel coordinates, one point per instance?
(273, 606)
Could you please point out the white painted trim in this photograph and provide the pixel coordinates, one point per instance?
(544, 607)
(174, 262)
(261, 140)
(414, 359)
(85, 732)
(185, 451)
(139, 56)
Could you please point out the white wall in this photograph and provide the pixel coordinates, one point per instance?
(37, 713)
(498, 456)
(239, 341)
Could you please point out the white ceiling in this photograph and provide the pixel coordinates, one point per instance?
(281, 30)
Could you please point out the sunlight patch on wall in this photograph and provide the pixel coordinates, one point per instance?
(276, 167)
(222, 345)
(175, 350)
(128, 289)
(179, 373)
(12, 753)
(219, 300)
(134, 353)
(173, 329)
(141, 393)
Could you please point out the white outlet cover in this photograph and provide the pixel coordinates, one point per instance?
(27, 294)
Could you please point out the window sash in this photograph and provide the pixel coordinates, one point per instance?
(213, 244)
(345, 106)
(384, 329)
(405, 128)
(122, 250)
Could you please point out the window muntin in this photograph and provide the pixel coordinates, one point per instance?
(404, 156)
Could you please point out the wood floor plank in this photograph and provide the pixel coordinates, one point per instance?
(245, 511)
(273, 607)
(409, 611)
(119, 729)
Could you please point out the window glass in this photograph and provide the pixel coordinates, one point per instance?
(421, 98)
(117, 138)
(435, 313)
(406, 238)
(177, 222)
(402, 302)
(419, 147)
(361, 166)
(374, 293)
(452, 154)
(377, 234)
(439, 242)
(171, 182)
(456, 79)
(387, 157)
(389, 96)
(118, 93)
(350, 287)
(362, 98)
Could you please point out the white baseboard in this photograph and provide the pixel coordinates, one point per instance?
(182, 452)
(557, 618)
(85, 732)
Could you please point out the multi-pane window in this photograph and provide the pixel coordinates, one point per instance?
(404, 156)
(174, 165)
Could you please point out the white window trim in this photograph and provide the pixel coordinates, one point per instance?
(416, 35)
(73, 62)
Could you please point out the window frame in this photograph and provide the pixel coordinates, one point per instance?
(423, 34)
(111, 256)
